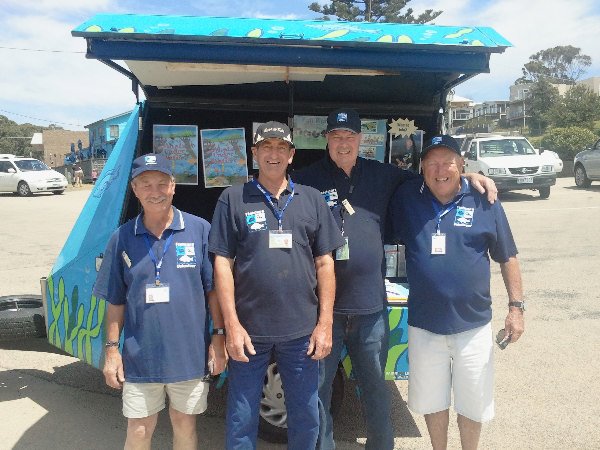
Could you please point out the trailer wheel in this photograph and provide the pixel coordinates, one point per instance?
(272, 426)
(21, 316)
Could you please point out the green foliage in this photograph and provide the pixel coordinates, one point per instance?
(561, 64)
(16, 139)
(536, 141)
(372, 11)
(543, 96)
(568, 141)
(580, 107)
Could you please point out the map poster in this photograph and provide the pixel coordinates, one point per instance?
(224, 157)
(309, 132)
(372, 144)
(179, 144)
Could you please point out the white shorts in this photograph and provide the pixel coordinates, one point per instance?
(462, 363)
(146, 399)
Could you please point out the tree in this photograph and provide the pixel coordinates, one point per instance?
(372, 11)
(561, 64)
(567, 142)
(580, 107)
(542, 98)
(16, 139)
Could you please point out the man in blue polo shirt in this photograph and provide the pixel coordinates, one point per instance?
(358, 191)
(450, 231)
(274, 275)
(157, 279)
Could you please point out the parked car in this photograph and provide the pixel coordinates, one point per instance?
(553, 158)
(586, 166)
(26, 176)
(512, 162)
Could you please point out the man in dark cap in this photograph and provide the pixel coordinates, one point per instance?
(358, 191)
(157, 279)
(450, 231)
(274, 275)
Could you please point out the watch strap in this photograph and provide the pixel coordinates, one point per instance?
(218, 331)
(517, 304)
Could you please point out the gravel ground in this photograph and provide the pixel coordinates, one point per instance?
(547, 385)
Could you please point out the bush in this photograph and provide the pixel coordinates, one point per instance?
(567, 142)
(536, 141)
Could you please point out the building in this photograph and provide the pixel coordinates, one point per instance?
(592, 83)
(104, 133)
(460, 110)
(54, 145)
(517, 108)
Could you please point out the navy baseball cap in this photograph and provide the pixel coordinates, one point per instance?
(344, 119)
(272, 129)
(151, 161)
(443, 140)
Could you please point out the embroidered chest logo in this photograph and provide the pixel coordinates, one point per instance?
(256, 220)
(464, 217)
(186, 254)
(331, 197)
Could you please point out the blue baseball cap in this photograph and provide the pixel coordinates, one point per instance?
(151, 161)
(344, 119)
(445, 141)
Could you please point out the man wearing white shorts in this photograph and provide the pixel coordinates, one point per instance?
(157, 279)
(450, 232)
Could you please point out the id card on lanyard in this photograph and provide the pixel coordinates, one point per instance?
(279, 238)
(438, 239)
(159, 291)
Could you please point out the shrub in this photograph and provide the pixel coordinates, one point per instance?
(567, 142)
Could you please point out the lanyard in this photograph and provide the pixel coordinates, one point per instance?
(278, 212)
(353, 181)
(158, 264)
(440, 213)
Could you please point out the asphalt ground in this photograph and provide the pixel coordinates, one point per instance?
(547, 384)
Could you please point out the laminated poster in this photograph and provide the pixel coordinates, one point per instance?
(179, 144)
(372, 144)
(402, 150)
(309, 132)
(224, 157)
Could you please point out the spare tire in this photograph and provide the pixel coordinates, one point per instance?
(21, 316)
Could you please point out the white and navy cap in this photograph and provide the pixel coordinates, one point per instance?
(151, 161)
(344, 119)
(272, 129)
(445, 141)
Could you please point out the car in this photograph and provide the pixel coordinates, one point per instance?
(586, 166)
(512, 162)
(27, 176)
(553, 158)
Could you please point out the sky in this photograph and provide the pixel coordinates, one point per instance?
(45, 77)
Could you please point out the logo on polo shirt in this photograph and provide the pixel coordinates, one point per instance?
(331, 197)
(186, 254)
(464, 217)
(256, 220)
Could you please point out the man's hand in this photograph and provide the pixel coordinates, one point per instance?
(113, 368)
(237, 340)
(514, 324)
(319, 345)
(484, 185)
(217, 354)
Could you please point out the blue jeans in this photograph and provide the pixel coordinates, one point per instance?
(300, 378)
(366, 338)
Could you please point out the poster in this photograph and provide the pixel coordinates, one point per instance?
(372, 144)
(224, 157)
(405, 151)
(179, 144)
(309, 132)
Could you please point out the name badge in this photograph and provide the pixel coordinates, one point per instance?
(348, 207)
(280, 238)
(438, 244)
(157, 294)
(343, 253)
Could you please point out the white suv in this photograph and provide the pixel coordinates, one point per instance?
(26, 176)
(512, 162)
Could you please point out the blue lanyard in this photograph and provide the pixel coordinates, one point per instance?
(440, 213)
(278, 212)
(158, 264)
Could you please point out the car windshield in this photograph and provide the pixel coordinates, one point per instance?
(30, 165)
(505, 147)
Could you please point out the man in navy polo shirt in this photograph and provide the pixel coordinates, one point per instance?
(358, 191)
(157, 278)
(274, 275)
(450, 231)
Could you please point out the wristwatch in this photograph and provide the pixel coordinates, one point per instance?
(517, 304)
(111, 344)
(218, 331)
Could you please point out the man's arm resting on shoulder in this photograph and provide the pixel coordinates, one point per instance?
(320, 340)
(216, 351)
(511, 273)
(484, 185)
(237, 338)
(113, 362)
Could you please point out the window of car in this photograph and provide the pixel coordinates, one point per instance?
(505, 147)
(4, 166)
(31, 165)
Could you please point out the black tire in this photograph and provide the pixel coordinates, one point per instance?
(581, 179)
(23, 189)
(57, 192)
(544, 192)
(272, 426)
(21, 316)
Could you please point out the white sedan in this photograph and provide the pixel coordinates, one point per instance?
(554, 159)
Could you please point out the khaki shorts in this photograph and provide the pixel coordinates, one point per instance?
(461, 364)
(146, 399)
